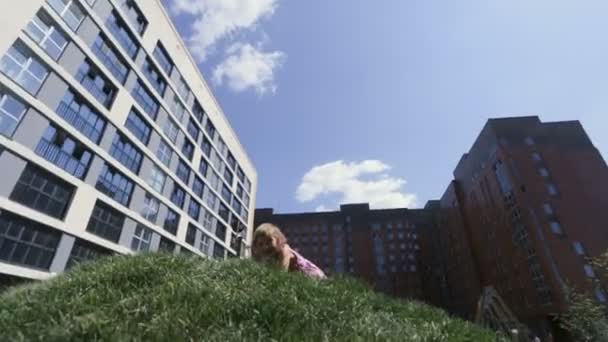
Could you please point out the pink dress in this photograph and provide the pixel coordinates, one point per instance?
(300, 264)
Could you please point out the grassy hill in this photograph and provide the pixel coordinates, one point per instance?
(166, 298)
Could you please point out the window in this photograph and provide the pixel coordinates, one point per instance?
(106, 222)
(529, 141)
(80, 115)
(203, 166)
(43, 192)
(178, 196)
(166, 245)
(239, 191)
(25, 242)
(92, 80)
(150, 208)
(600, 295)
(209, 221)
(188, 149)
(65, 152)
(556, 228)
(193, 129)
(163, 59)
(219, 252)
(20, 65)
(47, 34)
(578, 248)
(240, 174)
(536, 157)
(198, 187)
(171, 130)
(221, 145)
(183, 171)
(548, 209)
(206, 146)
(198, 111)
(210, 129)
(220, 232)
(154, 76)
(236, 205)
(551, 189)
(164, 153)
(216, 161)
(226, 194)
(171, 222)
(138, 126)
(589, 271)
(205, 245)
(223, 212)
(182, 89)
(247, 185)
(11, 113)
(194, 209)
(122, 34)
(84, 251)
(157, 179)
(115, 185)
(110, 58)
(143, 97)
(191, 234)
(502, 177)
(177, 108)
(228, 176)
(543, 172)
(231, 161)
(210, 198)
(141, 239)
(214, 180)
(125, 153)
(134, 14)
(412, 268)
(69, 10)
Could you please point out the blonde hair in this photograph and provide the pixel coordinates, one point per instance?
(268, 243)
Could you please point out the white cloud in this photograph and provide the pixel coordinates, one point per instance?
(378, 188)
(248, 67)
(218, 19)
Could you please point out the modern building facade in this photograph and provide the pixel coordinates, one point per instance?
(380, 247)
(524, 213)
(111, 142)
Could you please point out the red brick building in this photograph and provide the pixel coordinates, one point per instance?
(381, 247)
(526, 209)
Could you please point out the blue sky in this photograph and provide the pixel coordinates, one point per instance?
(349, 101)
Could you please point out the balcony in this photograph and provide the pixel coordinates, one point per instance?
(62, 159)
(98, 92)
(75, 119)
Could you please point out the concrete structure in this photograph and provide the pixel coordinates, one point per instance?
(381, 247)
(111, 141)
(524, 212)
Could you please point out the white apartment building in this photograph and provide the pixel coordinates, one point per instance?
(111, 141)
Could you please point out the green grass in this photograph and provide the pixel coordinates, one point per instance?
(166, 298)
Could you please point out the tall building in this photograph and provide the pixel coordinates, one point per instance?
(380, 247)
(527, 207)
(111, 142)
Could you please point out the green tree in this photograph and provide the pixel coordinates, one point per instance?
(586, 319)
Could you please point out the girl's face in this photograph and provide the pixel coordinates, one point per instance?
(270, 249)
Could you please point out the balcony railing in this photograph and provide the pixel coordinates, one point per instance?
(104, 98)
(81, 124)
(62, 159)
(122, 36)
(113, 191)
(116, 68)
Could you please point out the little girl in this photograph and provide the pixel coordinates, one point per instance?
(270, 247)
